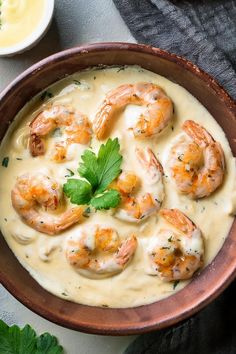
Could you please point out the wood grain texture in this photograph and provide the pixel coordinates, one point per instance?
(212, 280)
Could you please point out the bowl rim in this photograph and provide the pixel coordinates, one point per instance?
(193, 306)
(35, 36)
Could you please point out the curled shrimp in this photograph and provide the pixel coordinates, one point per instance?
(99, 251)
(159, 109)
(32, 191)
(177, 254)
(197, 162)
(76, 126)
(136, 208)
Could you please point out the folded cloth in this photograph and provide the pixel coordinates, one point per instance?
(212, 331)
(203, 31)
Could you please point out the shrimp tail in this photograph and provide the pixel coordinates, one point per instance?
(179, 220)
(126, 251)
(197, 133)
(148, 160)
(68, 218)
(48, 224)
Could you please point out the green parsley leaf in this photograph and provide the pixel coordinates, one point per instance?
(14, 340)
(109, 162)
(99, 171)
(89, 168)
(107, 200)
(47, 344)
(79, 191)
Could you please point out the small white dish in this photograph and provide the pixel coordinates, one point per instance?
(35, 36)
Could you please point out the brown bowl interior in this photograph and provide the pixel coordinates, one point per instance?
(213, 279)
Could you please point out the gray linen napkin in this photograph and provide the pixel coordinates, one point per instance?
(203, 31)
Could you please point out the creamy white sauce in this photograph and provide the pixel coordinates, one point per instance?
(43, 256)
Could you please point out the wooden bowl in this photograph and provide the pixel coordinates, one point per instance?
(212, 280)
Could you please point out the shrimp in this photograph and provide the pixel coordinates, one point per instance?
(77, 128)
(32, 191)
(159, 109)
(177, 254)
(197, 162)
(98, 251)
(138, 208)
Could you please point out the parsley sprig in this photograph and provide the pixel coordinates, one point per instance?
(97, 173)
(25, 341)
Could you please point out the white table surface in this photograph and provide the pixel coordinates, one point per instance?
(75, 22)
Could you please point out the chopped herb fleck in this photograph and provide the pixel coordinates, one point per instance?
(19, 159)
(172, 128)
(176, 282)
(120, 69)
(77, 82)
(86, 212)
(5, 219)
(5, 162)
(170, 239)
(56, 133)
(70, 174)
(46, 95)
(104, 305)
(94, 77)
(165, 248)
(64, 294)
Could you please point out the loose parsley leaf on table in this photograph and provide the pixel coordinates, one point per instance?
(99, 171)
(14, 340)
